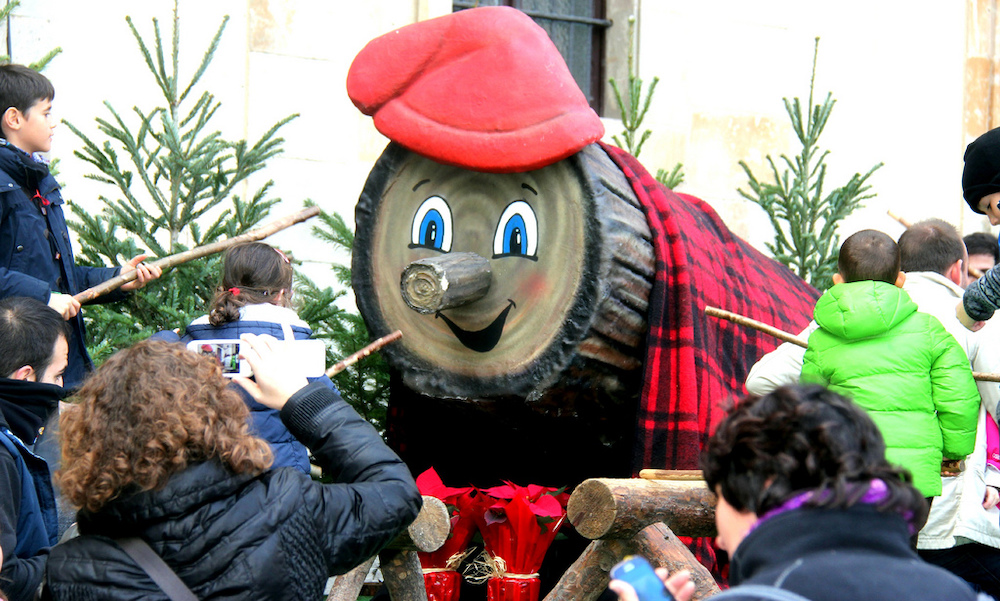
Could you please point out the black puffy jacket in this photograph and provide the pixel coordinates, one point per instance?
(857, 554)
(274, 536)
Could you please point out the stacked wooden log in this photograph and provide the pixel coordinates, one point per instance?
(640, 516)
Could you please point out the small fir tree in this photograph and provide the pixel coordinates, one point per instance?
(805, 221)
(633, 109)
(365, 385)
(173, 180)
(5, 13)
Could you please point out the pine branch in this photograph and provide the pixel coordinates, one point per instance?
(805, 222)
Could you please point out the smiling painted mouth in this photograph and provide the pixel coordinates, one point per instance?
(484, 340)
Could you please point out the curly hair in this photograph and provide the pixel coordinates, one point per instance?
(799, 438)
(252, 273)
(146, 414)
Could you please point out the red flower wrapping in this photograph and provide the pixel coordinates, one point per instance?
(512, 589)
(442, 586)
(518, 525)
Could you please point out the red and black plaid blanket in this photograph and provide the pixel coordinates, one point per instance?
(695, 364)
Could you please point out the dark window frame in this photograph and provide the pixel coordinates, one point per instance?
(598, 26)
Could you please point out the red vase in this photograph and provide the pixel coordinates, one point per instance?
(512, 589)
(442, 586)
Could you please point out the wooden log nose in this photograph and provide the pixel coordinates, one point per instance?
(451, 280)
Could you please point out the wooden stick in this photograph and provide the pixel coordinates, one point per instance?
(654, 474)
(902, 220)
(757, 325)
(783, 335)
(199, 252)
(371, 348)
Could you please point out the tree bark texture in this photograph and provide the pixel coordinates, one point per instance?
(602, 508)
(452, 280)
(403, 576)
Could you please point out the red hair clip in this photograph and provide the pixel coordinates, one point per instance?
(234, 291)
(283, 255)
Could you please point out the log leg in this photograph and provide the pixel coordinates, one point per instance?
(347, 586)
(403, 576)
(663, 549)
(588, 576)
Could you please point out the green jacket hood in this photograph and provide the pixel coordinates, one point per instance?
(862, 309)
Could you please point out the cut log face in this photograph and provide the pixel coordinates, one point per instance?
(549, 237)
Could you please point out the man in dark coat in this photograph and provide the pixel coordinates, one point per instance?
(34, 342)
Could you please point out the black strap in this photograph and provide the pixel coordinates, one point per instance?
(144, 555)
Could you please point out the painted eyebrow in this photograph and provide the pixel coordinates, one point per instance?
(420, 183)
(527, 187)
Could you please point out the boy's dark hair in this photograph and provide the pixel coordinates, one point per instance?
(801, 438)
(930, 245)
(21, 87)
(252, 273)
(28, 333)
(869, 255)
(981, 243)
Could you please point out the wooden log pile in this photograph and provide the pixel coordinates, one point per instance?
(399, 562)
(640, 516)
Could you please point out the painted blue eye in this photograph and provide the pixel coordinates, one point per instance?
(517, 232)
(432, 225)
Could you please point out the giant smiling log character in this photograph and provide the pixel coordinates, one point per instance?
(550, 292)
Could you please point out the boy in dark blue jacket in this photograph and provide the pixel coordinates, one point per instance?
(36, 258)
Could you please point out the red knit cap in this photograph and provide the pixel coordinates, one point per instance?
(484, 89)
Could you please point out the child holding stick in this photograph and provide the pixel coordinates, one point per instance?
(36, 257)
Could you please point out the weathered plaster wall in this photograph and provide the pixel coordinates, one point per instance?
(914, 84)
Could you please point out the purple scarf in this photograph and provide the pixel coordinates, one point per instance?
(877, 492)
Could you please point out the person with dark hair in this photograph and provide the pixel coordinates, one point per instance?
(807, 502)
(158, 447)
(984, 253)
(34, 358)
(35, 251)
(981, 189)
(962, 533)
(868, 255)
(932, 245)
(901, 365)
(255, 297)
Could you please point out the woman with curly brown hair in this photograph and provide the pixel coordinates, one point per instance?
(808, 503)
(158, 448)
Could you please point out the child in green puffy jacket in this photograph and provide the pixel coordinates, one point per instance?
(900, 365)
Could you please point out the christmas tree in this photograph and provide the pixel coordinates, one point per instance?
(172, 182)
(805, 222)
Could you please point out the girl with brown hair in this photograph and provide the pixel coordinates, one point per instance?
(254, 297)
(158, 447)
